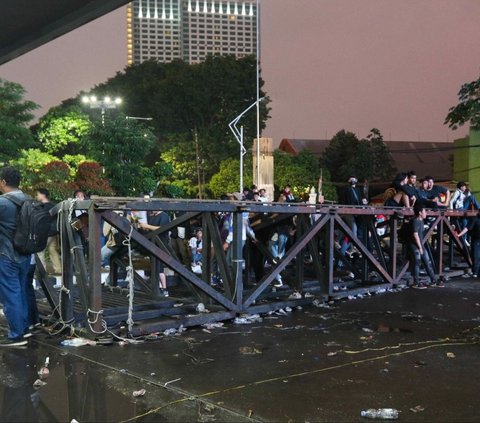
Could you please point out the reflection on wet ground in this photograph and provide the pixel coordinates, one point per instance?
(416, 351)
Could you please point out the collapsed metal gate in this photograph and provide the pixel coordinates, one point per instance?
(310, 266)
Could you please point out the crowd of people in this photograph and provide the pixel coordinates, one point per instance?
(186, 239)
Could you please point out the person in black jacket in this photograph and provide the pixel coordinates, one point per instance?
(474, 229)
(353, 197)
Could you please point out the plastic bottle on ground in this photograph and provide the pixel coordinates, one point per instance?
(380, 413)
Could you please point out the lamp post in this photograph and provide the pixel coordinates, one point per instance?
(257, 17)
(238, 134)
(106, 103)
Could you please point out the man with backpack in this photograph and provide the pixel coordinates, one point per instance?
(14, 265)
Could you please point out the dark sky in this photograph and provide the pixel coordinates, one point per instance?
(328, 64)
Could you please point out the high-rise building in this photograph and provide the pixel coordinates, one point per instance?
(190, 29)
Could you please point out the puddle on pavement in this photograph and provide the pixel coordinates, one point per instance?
(75, 389)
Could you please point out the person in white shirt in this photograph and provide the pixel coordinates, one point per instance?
(196, 245)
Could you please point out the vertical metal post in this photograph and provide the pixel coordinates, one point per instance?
(206, 252)
(94, 259)
(300, 259)
(258, 87)
(241, 159)
(330, 252)
(237, 258)
(67, 270)
(154, 277)
(439, 251)
(197, 161)
(393, 247)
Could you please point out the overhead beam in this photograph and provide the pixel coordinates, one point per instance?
(26, 25)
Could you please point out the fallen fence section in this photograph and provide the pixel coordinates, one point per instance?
(332, 251)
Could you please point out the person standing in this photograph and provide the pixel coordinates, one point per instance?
(474, 229)
(353, 197)
(156, 220)
(43, 196)
(418, 251)
(13, 265)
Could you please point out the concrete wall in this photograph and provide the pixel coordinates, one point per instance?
(266, 166)
(466, 160)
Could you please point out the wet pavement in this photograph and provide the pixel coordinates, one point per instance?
(414, 350)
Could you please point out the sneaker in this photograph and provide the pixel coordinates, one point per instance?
(278, 283)
(438, 284)
(420, 285)
(15, 342)
(165, 293)
(308, 295)
(33, 330)
(295, 296)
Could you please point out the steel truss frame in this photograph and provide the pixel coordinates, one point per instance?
(309, 265)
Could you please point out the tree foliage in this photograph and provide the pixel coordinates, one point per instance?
(31, 163)
(227, 179)
(368, 158)
(191, 106)
(61, 130)
(90, 178)
(55, 176)
(468, 108)
(15, 114)
(301, 172)
(121, 146)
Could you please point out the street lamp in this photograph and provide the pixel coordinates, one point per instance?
(106, 103)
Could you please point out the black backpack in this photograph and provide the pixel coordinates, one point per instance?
(33, 225)
(405, 232)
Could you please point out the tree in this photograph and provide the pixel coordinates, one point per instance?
(367, 159)
(193, 104)
(340, 155)
(468, 109)
(301, 172)
(376, 162)
(15, 114)
(90, 179)
(181, 157)
(61, 130)
(121, 146)
(31, 163)
(55, 176)
(74, 161)
(227, 179)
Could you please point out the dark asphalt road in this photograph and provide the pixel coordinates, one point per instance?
(401, 350)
